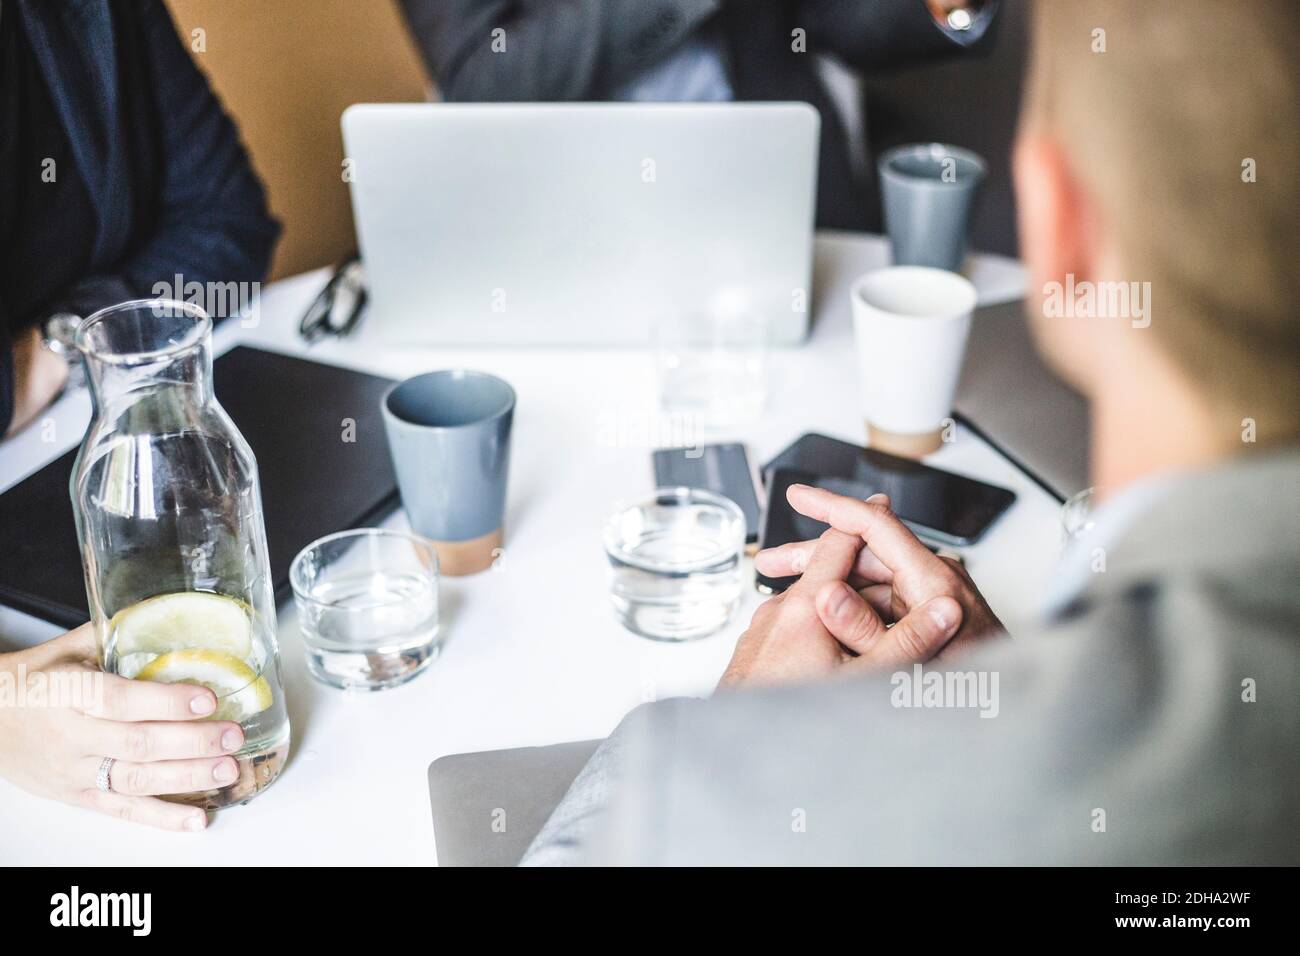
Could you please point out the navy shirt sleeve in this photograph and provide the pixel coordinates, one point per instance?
(6, 375)
(214, 224)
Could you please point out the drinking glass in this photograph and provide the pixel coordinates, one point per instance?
(675, 563)
(368, 607)
(1078, 514)
(712, 366)
(169, 521)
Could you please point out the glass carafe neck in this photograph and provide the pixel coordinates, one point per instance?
(146, 348)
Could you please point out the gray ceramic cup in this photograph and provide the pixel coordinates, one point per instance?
(449, 435)
(927, 190)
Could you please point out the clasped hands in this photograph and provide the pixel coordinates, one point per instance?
(871, 595)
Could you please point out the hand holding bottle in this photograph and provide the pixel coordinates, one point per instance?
(61, 718)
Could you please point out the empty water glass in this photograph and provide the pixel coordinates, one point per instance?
(368, 607)
(675, 563)
(1078, 515)
(712, 366)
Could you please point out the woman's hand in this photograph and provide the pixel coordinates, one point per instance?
(39, 376)
(60, 717)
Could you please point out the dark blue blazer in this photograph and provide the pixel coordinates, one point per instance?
(168, 180)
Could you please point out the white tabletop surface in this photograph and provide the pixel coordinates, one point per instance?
(533, 654)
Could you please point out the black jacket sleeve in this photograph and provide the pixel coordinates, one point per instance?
(214, 224)
(889, 34)
(207, 221)
(567, 50)
(6, 374)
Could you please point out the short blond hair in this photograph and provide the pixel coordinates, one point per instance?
(1164, 130)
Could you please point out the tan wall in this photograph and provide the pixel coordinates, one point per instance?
(285, 71)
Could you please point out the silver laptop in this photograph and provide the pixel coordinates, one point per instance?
(489, 806)
(580, 224)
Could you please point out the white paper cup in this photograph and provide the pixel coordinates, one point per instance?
(910, 324)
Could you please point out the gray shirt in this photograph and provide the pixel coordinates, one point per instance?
(1154, 719)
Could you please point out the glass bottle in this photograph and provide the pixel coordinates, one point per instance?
(169, 519)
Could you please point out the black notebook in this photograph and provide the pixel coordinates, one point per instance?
(291, 411)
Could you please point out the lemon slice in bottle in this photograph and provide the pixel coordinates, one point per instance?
(171, 622)
(240, 692)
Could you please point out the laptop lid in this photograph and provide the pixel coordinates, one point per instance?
(580, 223)
(489, 806)
(1045, 429)
(291, 412)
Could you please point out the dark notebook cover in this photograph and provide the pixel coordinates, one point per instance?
(291, 412)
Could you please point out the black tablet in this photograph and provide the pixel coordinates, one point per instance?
(291, 411)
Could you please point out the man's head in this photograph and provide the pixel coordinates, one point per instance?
(1157, 175)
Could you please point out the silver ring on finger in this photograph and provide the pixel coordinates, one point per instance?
(102, 780)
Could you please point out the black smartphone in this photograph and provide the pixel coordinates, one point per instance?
(783, 524)
(938, 505)
(721, 469)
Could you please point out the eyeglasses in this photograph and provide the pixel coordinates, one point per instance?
(337, 310)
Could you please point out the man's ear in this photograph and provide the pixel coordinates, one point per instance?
(1056, 242)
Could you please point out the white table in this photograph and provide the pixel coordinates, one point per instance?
(533, 654)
